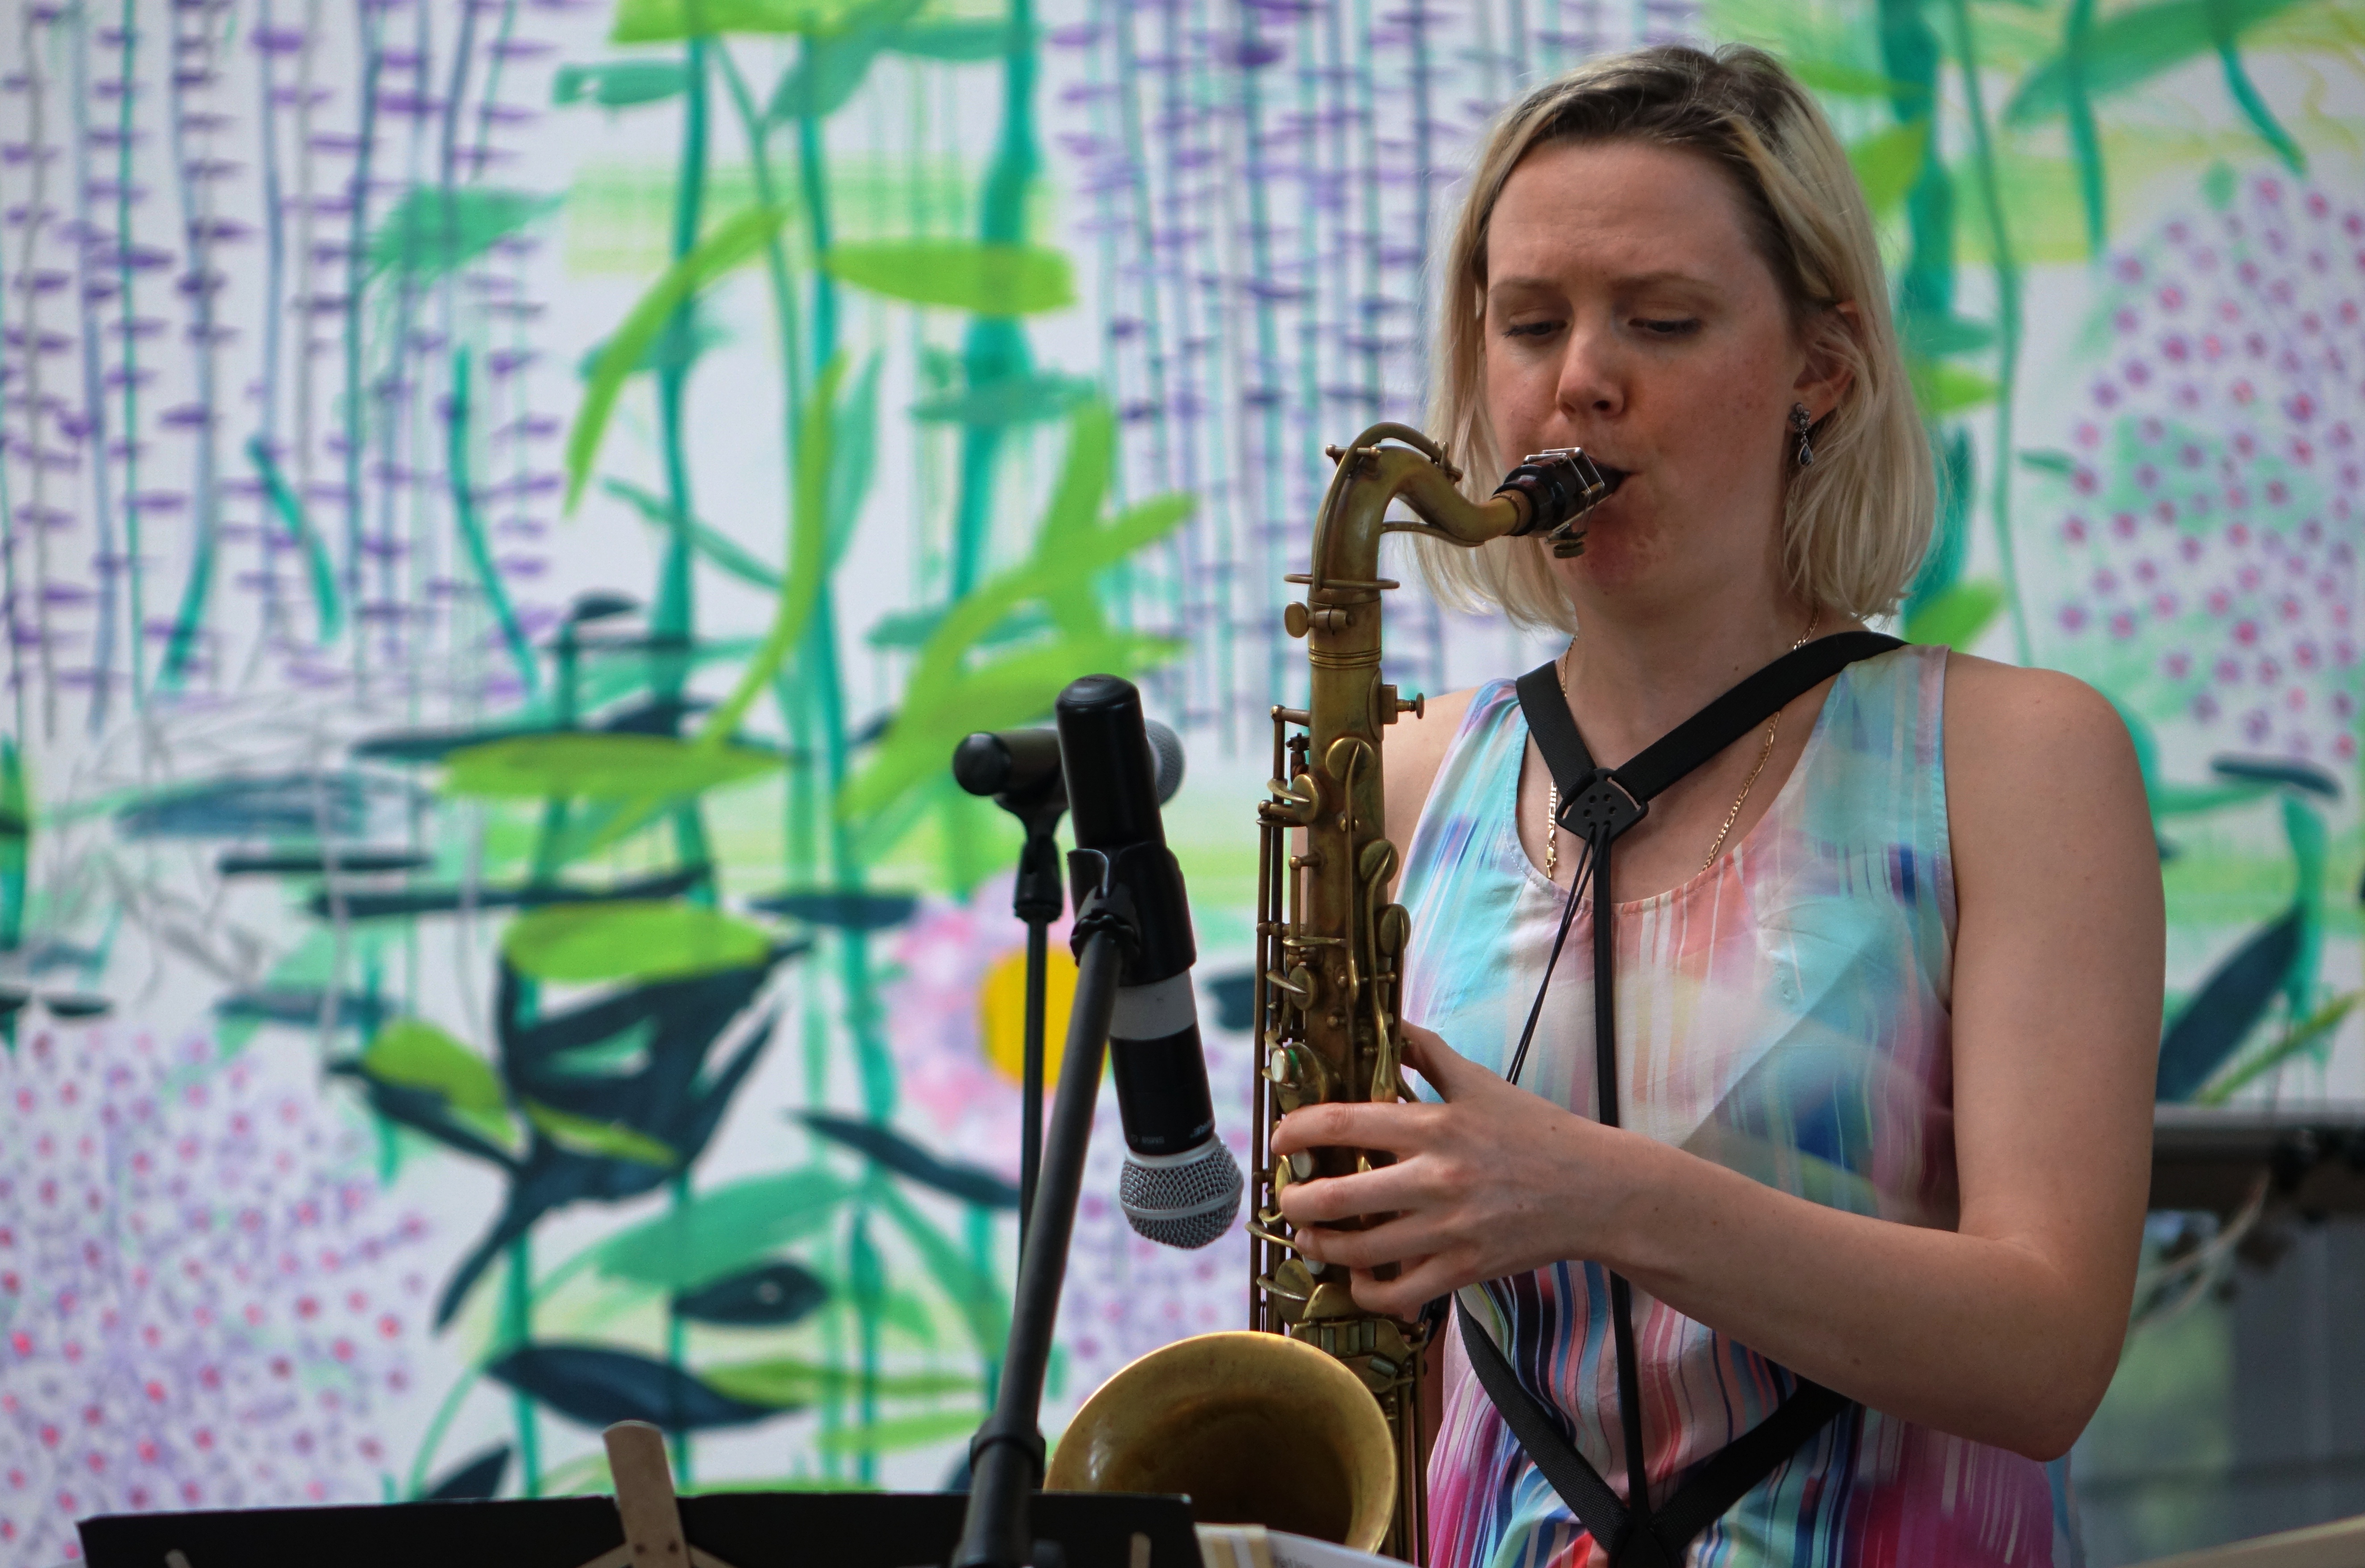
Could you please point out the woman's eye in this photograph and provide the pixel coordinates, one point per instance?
(1532, 330)
(1669, 328)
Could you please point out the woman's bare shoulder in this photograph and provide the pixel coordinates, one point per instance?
(2013, 716)
(2035, 755)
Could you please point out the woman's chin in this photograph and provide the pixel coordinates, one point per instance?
(1622, 555)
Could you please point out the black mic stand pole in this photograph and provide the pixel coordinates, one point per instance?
(1006, 1456)
(1037, 898)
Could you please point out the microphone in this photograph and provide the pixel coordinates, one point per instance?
(1181, 1186)
(1013, 762)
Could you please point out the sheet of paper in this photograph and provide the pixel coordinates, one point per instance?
(1253, 1546)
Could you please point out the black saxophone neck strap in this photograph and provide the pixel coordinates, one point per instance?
(1646, 1539)
(1597, 805)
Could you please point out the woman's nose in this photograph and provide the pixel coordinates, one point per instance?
(1592, 381)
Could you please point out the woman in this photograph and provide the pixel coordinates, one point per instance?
(1888, 969)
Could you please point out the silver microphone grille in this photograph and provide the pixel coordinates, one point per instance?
(1182, 1200)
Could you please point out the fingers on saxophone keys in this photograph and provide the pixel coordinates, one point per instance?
(1419, 1282)
(1355, 1249)
(1341, 1126)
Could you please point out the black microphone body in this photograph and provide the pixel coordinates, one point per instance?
(1023, 764)
(1180, 1185)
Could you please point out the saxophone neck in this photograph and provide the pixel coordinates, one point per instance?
(1386, 464)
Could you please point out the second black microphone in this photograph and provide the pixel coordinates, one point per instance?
(1180, 1185)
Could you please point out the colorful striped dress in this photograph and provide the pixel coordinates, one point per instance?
(1784, 1013)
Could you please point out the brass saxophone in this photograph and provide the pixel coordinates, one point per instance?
(1249, 1425)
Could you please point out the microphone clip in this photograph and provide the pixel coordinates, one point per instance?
(1135, 893)
(1104, 905)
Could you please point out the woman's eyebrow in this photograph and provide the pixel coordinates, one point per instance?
(1627, 282)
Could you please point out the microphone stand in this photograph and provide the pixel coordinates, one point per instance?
(1037, 898)
(1006, 1456)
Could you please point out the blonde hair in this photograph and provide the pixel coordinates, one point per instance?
(1855, 524)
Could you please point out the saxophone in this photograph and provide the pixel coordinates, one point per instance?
(1254, 1427)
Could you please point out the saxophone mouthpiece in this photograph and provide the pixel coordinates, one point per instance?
(1559, 487)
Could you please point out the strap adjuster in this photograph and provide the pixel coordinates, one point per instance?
(1603, 808)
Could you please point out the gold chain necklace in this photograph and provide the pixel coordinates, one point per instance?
(1551, 810)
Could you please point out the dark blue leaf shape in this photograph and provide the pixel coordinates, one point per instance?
(403, 903)
(315, 863)
(2278, 770)
(285, 805)
(600, 1386)
(847, 910)
(77, 1006)
(969, 1184)
(600, 605)
(658, 716)
(478, 1478)
(668, 1096)
(434, 746)
(1235, 996)
(423, 1110)
(13, 1001)
(770, 1295)
(300, 1008)
(2230, 1003)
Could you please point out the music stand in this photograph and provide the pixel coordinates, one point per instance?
(643, 1526)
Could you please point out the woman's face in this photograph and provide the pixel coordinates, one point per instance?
(1628, 313)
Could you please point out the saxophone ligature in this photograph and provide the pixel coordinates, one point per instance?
(1251, 1426)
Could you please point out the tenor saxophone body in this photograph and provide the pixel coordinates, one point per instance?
(1329, 975)
(1330, 970)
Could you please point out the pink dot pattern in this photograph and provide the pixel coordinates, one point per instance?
(1124, 1296)
(204, 1301)
(2203, 535)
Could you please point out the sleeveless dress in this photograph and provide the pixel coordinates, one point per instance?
(1785, 1012)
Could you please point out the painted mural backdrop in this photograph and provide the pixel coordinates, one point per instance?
(508, 503)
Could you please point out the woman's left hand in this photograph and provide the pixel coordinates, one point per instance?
(1493, 1181)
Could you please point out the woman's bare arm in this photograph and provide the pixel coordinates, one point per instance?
(2005, 1330)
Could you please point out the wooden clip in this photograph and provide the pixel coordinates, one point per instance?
(645, 1497)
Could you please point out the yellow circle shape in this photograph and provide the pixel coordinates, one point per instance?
(1001, 1013)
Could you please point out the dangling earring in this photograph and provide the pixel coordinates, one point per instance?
(1801, 421)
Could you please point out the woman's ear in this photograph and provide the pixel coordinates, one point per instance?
(1831, 358)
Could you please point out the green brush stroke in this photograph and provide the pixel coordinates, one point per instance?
(618, 84)
(328, 605)
(808, 561)
(987, 279)
(2085, 137)
(788, 1384)
(605, 1140)
(2246, 96)
(182, 644)
(15, 842)
(517, 1332)
(414, 1054)
(2008, 323)
(733, 242)
(719, 548)
(673, 21)
(724, 1229)
(432, 230)
(2129, 48)
(472, 528)
(640, 939)
(592, 765)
